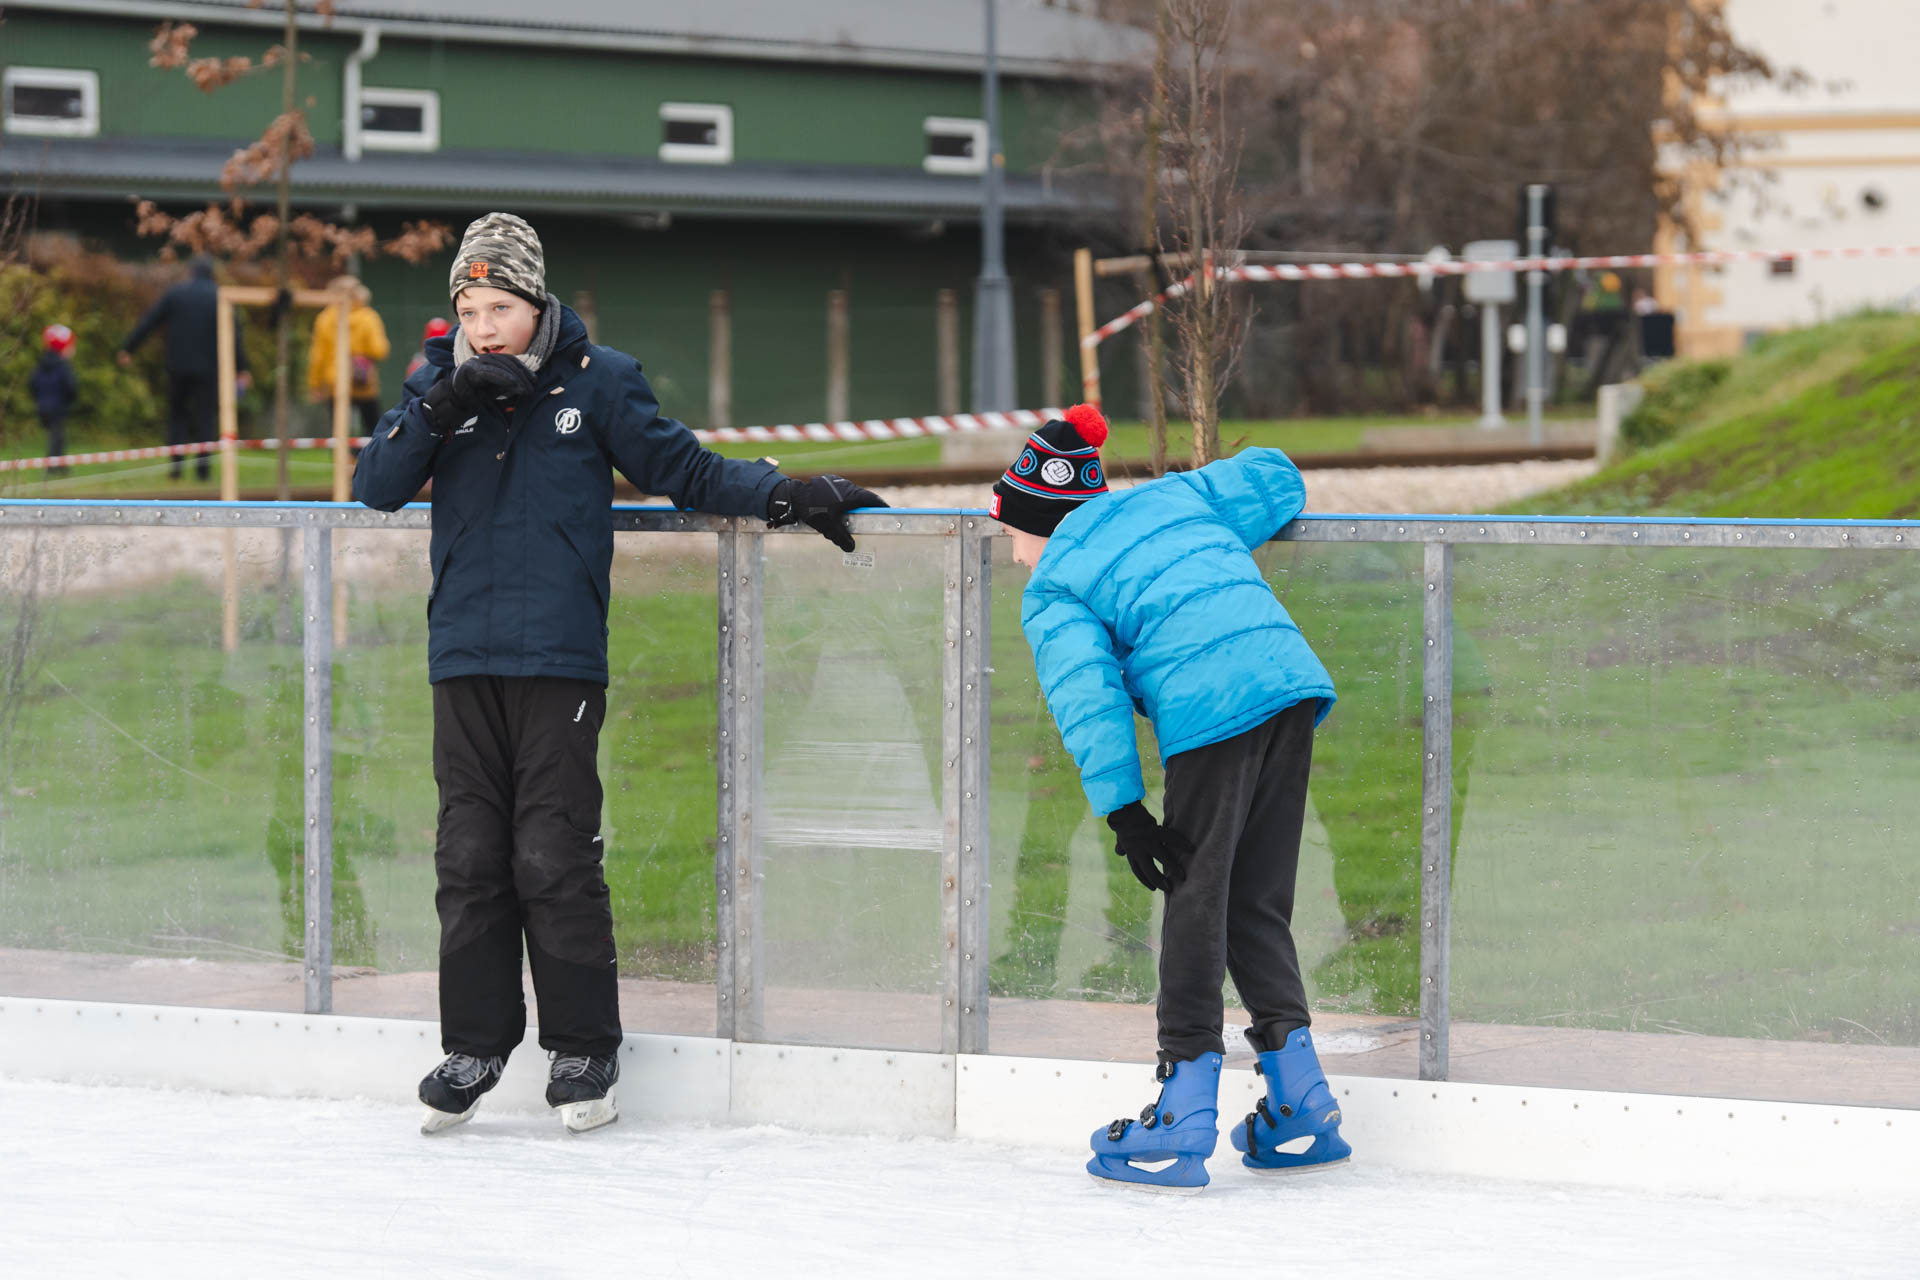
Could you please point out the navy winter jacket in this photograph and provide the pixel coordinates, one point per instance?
(53, 385)
(189, 310)
(522, 543)
(1149, 599)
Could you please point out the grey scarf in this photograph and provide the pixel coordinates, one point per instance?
(537, 351)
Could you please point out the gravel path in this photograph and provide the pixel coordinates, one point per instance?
(1380, 490)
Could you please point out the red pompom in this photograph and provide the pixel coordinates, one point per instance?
(1087, 421)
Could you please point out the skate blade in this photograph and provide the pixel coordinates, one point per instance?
(581, 1117)
(440, 1121)
(1152, 1188)
(1293, 1170)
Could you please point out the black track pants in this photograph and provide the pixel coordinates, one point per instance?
(519, 851)
(1242, 803)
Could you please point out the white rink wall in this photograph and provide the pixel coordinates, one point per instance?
(1641, 1142)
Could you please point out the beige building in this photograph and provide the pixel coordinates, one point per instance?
(1840, 168)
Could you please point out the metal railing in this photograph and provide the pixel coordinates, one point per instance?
(965, 676)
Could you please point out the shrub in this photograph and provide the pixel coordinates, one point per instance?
(1675, 395)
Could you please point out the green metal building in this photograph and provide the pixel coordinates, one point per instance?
(745, 173)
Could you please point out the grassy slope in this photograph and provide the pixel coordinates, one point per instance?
(1820, 423)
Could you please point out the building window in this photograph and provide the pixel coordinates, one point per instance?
(696, 133)
(52, 103)
(956, 146)
(399, 119)
(1782, 266)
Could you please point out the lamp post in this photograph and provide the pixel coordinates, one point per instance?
(993, 386)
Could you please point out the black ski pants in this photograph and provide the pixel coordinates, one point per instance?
(193, 403)
(1242, 802)
(519, 852)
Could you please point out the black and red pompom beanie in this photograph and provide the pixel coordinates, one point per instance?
(1057, 471)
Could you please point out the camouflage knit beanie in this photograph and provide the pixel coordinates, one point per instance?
(502, 252)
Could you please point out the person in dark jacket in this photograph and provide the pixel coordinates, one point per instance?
(1150, 603)
(520, 421)
(55, 389)
(188, 311)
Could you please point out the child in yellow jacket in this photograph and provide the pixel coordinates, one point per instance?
(366, 345)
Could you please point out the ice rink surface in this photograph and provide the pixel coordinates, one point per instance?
(117, 1182)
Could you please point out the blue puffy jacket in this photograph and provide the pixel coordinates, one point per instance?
(522, 546)
(1149, 599)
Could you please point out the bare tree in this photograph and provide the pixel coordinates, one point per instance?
(1388, 126)
(225, 228)
(1206, 221)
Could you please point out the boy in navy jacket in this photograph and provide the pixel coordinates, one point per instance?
(1149, 602)
(519, 421)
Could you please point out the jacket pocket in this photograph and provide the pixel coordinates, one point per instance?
(438, 560)
(595, 576)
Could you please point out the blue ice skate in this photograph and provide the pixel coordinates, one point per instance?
(1182, 1127)
(1296, 1127)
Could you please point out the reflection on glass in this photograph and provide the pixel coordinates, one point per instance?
(852, 837)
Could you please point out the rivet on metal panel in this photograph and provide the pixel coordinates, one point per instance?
(1533, 533)
(1353, 528)
(1433, 586)
(1483, 529)
(969, 901)
(1789, 535)
(1636, 533)
(949, 1004)
(1583, 533)
(1686, 535)
(966, 848)
(1402, 529)
(1440, 532)
(949, 764)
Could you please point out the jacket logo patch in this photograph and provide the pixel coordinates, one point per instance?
(466, 428)
(477, 271)
(567, 421)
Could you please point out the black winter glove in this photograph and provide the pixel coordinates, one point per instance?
(823, 503)
(455, 398)
(1157, 854)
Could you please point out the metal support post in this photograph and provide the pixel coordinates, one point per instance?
(971, 938)
(737, 869)
(317, 657)
(1536, 313)
(1491, 383)
(952, 610)
(993, 370)
(1436, 811)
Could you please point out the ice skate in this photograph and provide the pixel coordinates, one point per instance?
(1296, 1127)
(452, 1090)
(579, 1087)
(1167, 1147)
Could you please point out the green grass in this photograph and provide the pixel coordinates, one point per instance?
(1820, 423)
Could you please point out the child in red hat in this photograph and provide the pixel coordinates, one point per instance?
(55, 389)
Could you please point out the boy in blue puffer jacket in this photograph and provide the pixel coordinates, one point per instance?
(1150, 601)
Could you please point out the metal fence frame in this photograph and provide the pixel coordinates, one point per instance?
(965, 685)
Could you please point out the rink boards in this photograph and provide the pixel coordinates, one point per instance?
(1632, 1140)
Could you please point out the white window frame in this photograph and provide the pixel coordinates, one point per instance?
(87, 82)
(428, 139)
(977, 129)
(719, 115)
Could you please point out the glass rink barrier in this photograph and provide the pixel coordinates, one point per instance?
(1617, 805)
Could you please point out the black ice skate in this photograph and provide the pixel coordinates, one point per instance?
(452, 1090)
(579, 1088)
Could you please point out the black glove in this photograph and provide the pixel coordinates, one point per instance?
(823, 502)
(1157, 854)
(457, 397)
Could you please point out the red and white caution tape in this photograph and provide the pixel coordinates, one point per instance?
(813, 432)
(1429, 269)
